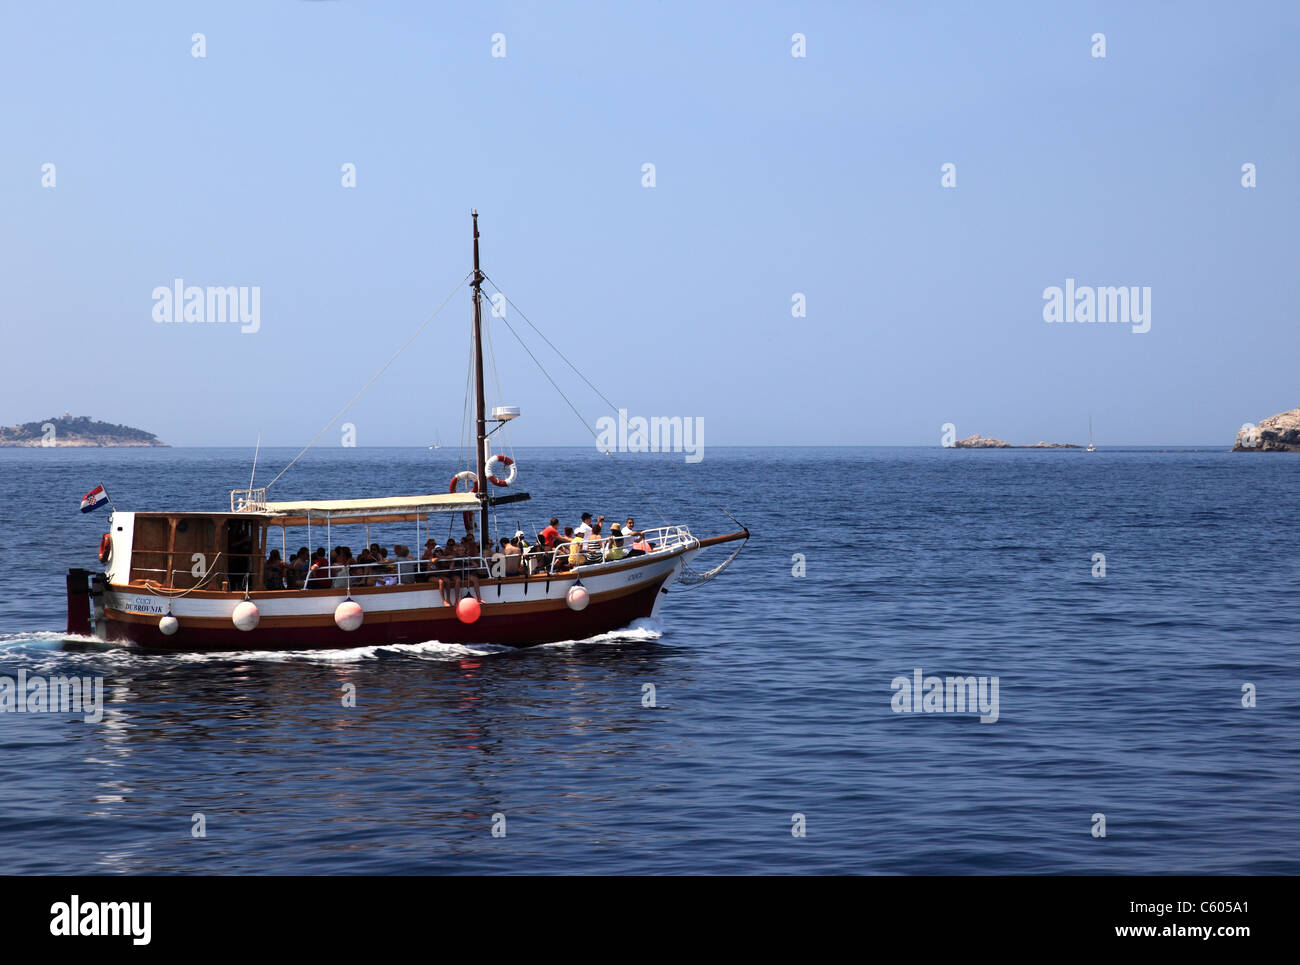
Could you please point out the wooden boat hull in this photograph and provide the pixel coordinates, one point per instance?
(514, 613)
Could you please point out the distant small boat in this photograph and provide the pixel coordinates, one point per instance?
(1091, 447)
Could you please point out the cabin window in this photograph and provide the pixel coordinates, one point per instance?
(149, 549)
(180, 552)
(194, 551)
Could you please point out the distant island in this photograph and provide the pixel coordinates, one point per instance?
(1277, 433)
(69, 430)
(978, 441)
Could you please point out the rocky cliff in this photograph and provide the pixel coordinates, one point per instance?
(1277, 433)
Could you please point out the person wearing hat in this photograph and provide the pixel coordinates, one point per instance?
(615, 550)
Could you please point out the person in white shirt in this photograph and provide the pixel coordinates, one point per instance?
(406, 566)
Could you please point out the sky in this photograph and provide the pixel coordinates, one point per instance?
(775, 176)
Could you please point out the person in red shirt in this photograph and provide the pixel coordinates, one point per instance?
(551, 534)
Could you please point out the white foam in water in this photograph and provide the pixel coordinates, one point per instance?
(640, 630)
(637, 631)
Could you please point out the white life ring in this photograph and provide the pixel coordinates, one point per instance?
(465, 475)
(508, 463)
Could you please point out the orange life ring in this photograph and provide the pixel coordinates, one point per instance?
(106, 548)
(465, 474)
(505, 461)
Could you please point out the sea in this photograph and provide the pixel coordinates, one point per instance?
(1122, 622)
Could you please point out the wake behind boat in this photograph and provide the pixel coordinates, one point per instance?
(188, 582)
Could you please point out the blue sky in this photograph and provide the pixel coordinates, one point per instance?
(774, 175)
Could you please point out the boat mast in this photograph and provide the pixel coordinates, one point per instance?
(480, 420)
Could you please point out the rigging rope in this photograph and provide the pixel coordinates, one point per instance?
(157, 589)
(405, 345)
(691, 578)
(617, 464)
(593, 388)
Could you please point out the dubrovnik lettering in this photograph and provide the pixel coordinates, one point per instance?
(656, 434)
(946, 695)
(55, 695)
(215, 304)
(1126, 306)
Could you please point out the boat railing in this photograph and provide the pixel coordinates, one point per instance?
(598, 549)
(534, 561)
(392, 572)
(248, 500)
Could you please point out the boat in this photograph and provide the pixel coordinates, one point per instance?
(186, 582)
(1091, 447)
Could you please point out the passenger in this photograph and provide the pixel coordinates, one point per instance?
(594, 541)
(514, 555)
(497, 564)
(584, 528)
(385, 570)
(641, 546)
(471, 567)
(364, 570)
(343, 573)
(629, 527)
(448, 577)
(574, 550)
(551, 535)
(296, 571)
(615, 550)
(432, 551)
(534, 558)
(406, 566)
(318, 573)
(555, 559)
(273, 574)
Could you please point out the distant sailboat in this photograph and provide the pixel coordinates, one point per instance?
(1091, 447)
(437, 443)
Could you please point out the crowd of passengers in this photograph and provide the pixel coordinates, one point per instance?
(459, 565)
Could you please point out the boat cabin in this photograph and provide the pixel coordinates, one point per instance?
(178, 551)
(226, 552)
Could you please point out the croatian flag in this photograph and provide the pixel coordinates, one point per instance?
(94, 499)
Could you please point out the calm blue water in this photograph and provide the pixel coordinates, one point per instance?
(1119, 695)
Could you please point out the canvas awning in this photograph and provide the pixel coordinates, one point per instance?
(384, 509)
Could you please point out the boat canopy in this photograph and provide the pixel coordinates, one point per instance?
(385, 509)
